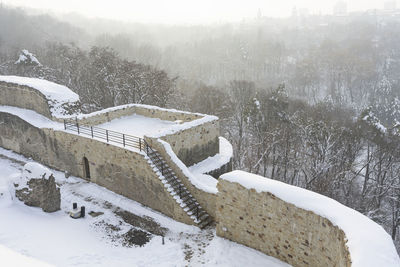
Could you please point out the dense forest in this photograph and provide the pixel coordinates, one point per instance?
(310, 101)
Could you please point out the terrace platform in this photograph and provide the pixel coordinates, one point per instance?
(138, 125)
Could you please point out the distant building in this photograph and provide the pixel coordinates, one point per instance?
(304, 12)
(340, 8)
(259, 14)
(294, 12)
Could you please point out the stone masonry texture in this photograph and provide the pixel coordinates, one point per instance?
(277, 228)
(24, 97)
(122, 171)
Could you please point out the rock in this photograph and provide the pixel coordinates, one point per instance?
(38, 188)
(95, 214)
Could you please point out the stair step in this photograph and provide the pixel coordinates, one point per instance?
(153, 155)
(205, 223)
(168, 171)
(163, 169)
(175, 183)
(176, 188)
(170, 179)
(203, 216)
(193, 207)
(158, 159)
(189, 201)
(186, 196)
(180, 192)
(202, 213)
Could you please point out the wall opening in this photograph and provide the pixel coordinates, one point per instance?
(86, 168)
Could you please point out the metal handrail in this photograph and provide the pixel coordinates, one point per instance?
(120, 138)
(104, 134)
(116, 137)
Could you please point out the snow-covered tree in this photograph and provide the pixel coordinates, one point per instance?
(26, 58)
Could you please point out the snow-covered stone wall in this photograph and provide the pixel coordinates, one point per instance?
(194, 139)
(298, 226)
(203, 190)
(122, 171)
(108, 114)
(23, 97)
(52, 100)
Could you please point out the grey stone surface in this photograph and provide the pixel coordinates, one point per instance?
(41, 192)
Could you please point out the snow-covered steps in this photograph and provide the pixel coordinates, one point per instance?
(178, 190)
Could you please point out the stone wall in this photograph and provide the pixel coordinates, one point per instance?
(195, 144)
(24, 97)
(144, 110)
(191, 145)
(122, 171)
(205, 199)
(277, 228)
(221, 170)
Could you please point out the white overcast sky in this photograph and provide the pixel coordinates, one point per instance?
(189, 11)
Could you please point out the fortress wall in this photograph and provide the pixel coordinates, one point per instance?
(192, 144)
(100, 117)
(277, 228)
(166, 114)
(24, 97)
(205, 199)
(119, 170)
(221, 170)
(144, 110)
(195, 144)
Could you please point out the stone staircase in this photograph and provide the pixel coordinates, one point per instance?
(178, 190)
(167, 176)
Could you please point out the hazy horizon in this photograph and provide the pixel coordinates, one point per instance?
(189, 11)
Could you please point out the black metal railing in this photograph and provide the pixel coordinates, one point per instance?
(109, 136)
(125, 140)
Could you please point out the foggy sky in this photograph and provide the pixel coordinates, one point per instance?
(188, 11)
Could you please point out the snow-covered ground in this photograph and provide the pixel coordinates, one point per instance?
(137, 125)
(369, 244)
(30, 237)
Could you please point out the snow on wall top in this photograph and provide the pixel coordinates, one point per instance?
(368, 242)
(32, 117)
(203, 118)
(205, 183)
(58, 96)
(82, 116)
(215, 162)
(184, 126)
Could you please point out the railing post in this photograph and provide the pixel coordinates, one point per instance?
(107, 135)
(65, 125)
(162, 168)
(180, 191)
(147, 149)
(123, 139)
(197, 212)
(77, 126)
(91, 130)
(140, 144)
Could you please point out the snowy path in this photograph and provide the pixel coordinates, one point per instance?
(29, 235)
